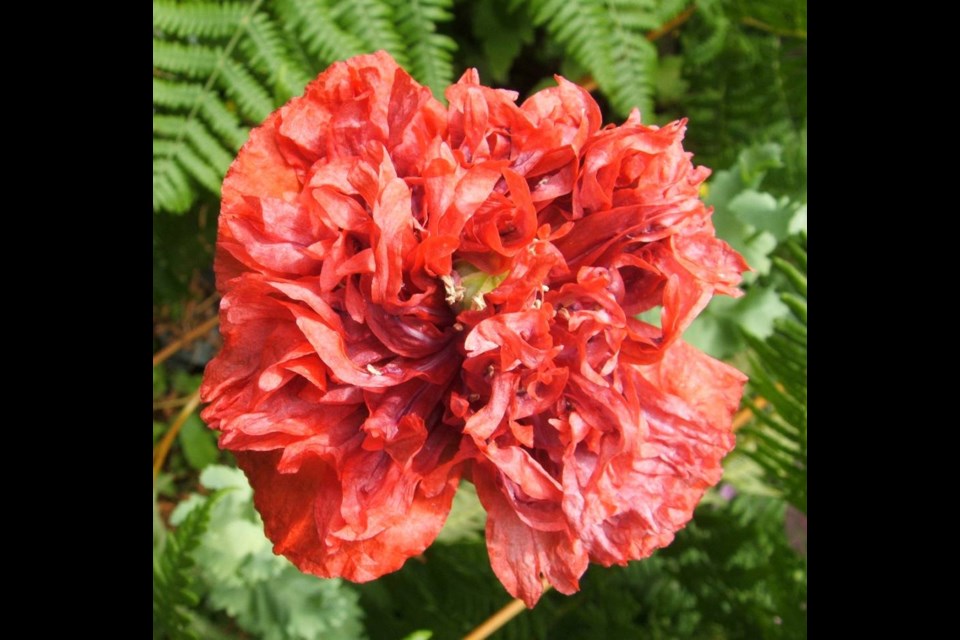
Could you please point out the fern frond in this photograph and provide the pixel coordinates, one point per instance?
(197, 135)
(253, 102)
(218, 69)
(629, 82)
(669, 9)
(268, 54)
(195, 112)
(195, 151)
(201, 62)
(172, 582)
(430, 53)
(372, 21)
(608, 38)
(193, 61)
(779, 438)
(225, 67)
(198, 20)
(637, 15)
(199, 169)
(745, 84)
(314, 24)
(171, 187)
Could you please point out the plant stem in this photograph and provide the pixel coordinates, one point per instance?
(163, 448)
(670, 25)
(500, 618)
(184, 340)
(171, 403)
(763, 26)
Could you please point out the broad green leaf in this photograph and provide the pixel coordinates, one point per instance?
(184, 507)
(198, 443)
(798, 222)
(266, 595)
(755, 161)
(763, 212)
(220, 476)
(717, 330)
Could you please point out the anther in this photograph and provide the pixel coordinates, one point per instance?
(453, 290)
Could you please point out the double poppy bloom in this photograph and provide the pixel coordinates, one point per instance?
(416, 294)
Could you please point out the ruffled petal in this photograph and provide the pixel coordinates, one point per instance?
(521, 556)
(302, 516)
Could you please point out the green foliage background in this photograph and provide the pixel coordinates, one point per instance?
(735, 68)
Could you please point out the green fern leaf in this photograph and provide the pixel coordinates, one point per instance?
(430, 54)
(268, 54)
(197, 135)
(198, 20)
(608, 38)
(171, 187)
(172, 162)
(639, 16)
(199, 169)
(194, 61)
(221, 68)
(218, 69)
(315, 26)
(373, 23)
(173, 584)
(190, 149)
(745, 83)
(253, 102)
(629, 80)
(208, 146)
(777, 439)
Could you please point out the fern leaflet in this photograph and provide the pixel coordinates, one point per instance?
(430, 53)
(172, 582)
(314, 24)
(780, 376)
(608, 38)
(372, 21)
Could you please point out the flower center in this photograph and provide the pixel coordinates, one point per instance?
(466, 286)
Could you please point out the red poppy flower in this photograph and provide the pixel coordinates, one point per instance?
(415, 294)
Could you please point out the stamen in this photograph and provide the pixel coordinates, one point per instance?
(453, 290)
